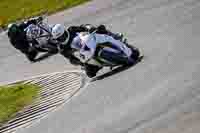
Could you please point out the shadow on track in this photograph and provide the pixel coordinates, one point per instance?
(115, 71)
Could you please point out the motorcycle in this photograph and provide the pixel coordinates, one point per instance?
(108, 55)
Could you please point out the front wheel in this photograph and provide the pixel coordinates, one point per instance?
(135, 53)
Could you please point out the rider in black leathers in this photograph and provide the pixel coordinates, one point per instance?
(18, 39)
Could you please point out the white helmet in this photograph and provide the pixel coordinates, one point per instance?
(60, 33)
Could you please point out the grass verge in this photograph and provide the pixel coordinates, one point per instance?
(12, 10)
(14, 98)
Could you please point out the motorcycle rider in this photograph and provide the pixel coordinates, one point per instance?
(72, 39)
(18, 39)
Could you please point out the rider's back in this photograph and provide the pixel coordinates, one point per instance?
(19, 41)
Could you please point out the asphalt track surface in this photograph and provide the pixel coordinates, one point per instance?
(158, 95)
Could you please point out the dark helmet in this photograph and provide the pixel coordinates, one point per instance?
(13, 30)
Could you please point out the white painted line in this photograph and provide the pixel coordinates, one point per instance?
(57, 88)
(42, 75)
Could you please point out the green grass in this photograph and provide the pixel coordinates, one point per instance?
(14, 98)
(12, 10)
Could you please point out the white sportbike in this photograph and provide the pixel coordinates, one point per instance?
(103, 50)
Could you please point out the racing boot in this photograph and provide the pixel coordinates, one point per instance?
(31, 55)
(91, 70)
